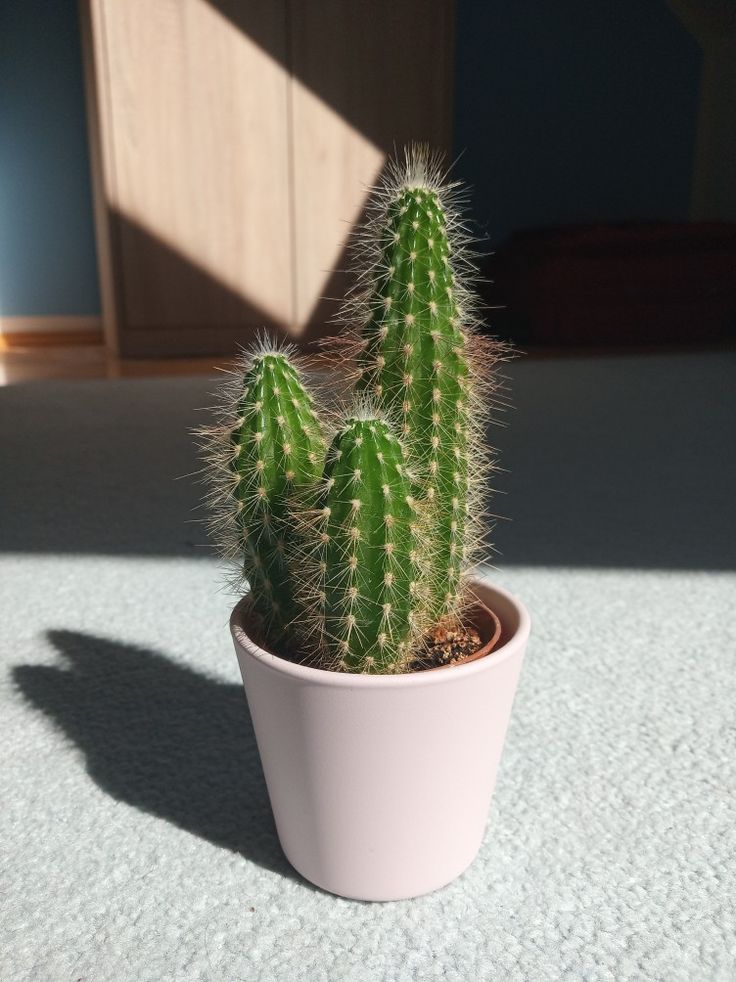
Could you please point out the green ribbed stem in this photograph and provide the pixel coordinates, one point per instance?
(278, 455)
(370, 563)
(415, 364)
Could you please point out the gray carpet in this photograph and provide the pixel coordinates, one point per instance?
(135, 834)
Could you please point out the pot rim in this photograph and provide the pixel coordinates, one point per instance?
(324, 677)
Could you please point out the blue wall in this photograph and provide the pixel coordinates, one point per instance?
(574, 111)
(47, 251)
(569, 110)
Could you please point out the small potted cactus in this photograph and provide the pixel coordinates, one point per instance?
(378, 671)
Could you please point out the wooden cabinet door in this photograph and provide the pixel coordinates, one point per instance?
(368, 77)
(231, 144)
(190, 107)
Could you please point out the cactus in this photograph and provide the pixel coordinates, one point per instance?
(367, 551)
(420, 358)
(355, 555)
(267, 453)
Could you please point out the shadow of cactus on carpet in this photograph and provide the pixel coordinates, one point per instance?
(160, 737)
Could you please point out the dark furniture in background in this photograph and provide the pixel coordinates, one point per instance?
(616, 284)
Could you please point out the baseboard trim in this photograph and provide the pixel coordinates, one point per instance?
(25, 332)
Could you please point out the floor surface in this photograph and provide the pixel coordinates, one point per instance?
(136, 840)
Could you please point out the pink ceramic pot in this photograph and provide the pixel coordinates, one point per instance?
(380, 784)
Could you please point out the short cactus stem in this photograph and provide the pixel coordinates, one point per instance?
(368, 537)
(415, 363)
(275, 455)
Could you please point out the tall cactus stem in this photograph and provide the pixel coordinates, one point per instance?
(420, 358)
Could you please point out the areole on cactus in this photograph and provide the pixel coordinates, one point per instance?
(355, 554)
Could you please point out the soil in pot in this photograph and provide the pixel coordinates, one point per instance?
(447, 645)
(459, 643)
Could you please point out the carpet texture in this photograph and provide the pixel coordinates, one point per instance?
(136, 838)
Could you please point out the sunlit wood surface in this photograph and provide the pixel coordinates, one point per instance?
(33, 363)
(231, 146)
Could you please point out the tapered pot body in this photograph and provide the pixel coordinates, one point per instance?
(380, 784)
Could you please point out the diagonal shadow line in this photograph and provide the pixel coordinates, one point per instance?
(321, 322)
(162, 738)
(169, 303)
(153, 263)
(207, 316)
(358, 43)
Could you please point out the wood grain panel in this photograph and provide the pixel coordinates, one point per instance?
(366, 77)
(230, 144)
(192, 113)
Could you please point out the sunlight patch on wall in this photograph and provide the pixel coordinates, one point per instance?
(201, 142)
(329, 154)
